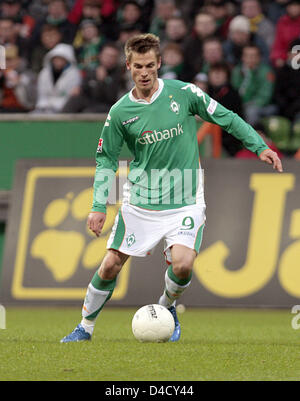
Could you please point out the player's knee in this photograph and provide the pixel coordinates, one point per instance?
(182, 267)
(111, 266)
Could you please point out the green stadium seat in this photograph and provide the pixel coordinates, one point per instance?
(295, 140)
(278, 129)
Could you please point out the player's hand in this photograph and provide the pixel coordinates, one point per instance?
(271, 157)
(96, 222)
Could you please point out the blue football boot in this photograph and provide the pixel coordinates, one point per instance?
(177, 331)
(78, 334)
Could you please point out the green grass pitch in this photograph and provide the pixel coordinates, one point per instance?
(216, 344)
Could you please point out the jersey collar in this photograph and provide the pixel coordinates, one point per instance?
(154, 96)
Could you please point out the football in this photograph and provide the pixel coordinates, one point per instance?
(153, 323)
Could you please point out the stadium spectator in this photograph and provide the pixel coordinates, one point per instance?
(92, 42)
(147, 7)
(287, 29)
(254, 81)
(50, 37)
(220, 89)
(56, 15)
(56, 81)
(126, 32)
(131, 15)
(287, 85)
(212, 53)
(164, 9)
(100, 87)
(239, 36)
(17, 84)
(172, 62)
(176, 30)
(275, 10)
(204, 26)
(9, 36)
(90, 9)
(12, 9)
(259, 24)
(220, 10)
(102, 9)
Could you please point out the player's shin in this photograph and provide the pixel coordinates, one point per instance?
(98, 293)
(174, 287)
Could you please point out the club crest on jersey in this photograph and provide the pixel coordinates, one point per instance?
(174, 106)
(100, 145)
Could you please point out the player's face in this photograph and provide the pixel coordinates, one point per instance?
(144, 70)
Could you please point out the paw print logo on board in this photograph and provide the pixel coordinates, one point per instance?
(63, 250)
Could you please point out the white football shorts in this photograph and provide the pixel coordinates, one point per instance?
(137, 231)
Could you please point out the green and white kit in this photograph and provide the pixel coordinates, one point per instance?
(165, 178)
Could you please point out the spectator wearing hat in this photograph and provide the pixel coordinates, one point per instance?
(100, 87)
(17, 84)
(239, 36)
(58, 78)
(287, 29)
(259, 24)
(204, 27)
(254, 81)
(91, 43)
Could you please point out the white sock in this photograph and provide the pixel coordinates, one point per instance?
(88, 325)
(172, 291)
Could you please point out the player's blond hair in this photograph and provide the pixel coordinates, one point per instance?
(142, 44)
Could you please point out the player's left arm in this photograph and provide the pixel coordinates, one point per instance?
(212, 111)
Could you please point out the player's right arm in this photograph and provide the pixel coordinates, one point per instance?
(107, 156)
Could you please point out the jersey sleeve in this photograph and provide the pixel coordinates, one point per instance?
(210, 110)
(109, 147)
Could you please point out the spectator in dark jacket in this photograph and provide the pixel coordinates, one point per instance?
(221, 90)
(57, 15)
(288, 84)
(204, 27)
(100, 87)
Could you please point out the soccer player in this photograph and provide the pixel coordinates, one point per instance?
(164, 196)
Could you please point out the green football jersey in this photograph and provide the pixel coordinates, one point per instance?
(165, 172)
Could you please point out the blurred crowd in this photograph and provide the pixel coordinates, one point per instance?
(66, 56)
